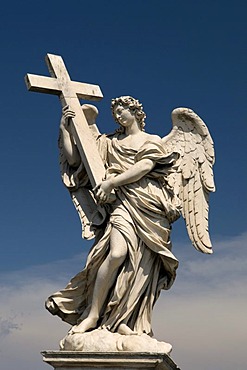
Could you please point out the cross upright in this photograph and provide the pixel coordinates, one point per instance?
(69, 93)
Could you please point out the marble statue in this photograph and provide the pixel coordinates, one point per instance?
(146, 184)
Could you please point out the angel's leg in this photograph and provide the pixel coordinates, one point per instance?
(105, 278)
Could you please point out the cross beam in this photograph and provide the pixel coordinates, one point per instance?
(69, 93)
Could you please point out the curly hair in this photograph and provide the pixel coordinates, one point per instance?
(133, 105)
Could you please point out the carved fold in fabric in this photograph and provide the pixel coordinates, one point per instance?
(141, 212)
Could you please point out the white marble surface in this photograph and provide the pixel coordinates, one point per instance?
(152, 181)
(67, 360)
(128, 188)
(104, 341)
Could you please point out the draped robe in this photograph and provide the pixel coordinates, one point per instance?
(142, 212)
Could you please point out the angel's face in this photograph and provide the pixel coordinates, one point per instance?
(124, 116)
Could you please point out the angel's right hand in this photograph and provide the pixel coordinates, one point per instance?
(67, 114)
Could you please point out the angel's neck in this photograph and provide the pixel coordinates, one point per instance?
(132, 130)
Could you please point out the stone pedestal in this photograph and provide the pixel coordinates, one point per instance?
(75, 360)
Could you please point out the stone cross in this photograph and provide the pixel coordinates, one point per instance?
(69, 93)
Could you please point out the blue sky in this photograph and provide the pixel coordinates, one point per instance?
(167, 54)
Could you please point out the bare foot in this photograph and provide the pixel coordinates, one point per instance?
(125, 330)
(85, 325)
(71, 329)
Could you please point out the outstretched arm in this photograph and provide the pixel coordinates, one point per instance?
(133, 174)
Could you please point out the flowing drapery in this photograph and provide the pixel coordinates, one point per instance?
(142, 213)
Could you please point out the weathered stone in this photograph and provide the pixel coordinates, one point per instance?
(62, 360)
(102, 340)
(128, 188)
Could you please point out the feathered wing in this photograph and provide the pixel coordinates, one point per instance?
(193, 181)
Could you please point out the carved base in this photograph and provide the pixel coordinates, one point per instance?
(75, 360)
(102, 340)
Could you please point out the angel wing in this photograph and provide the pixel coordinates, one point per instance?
(193, 181)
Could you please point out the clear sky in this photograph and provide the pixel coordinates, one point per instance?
(167, 54)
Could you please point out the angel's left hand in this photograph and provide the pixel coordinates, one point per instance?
(103, 190)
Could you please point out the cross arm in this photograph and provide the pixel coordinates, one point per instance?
(69, 93)
(52, 86)
(42, 84)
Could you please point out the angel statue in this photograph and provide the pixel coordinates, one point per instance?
(149, 182)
